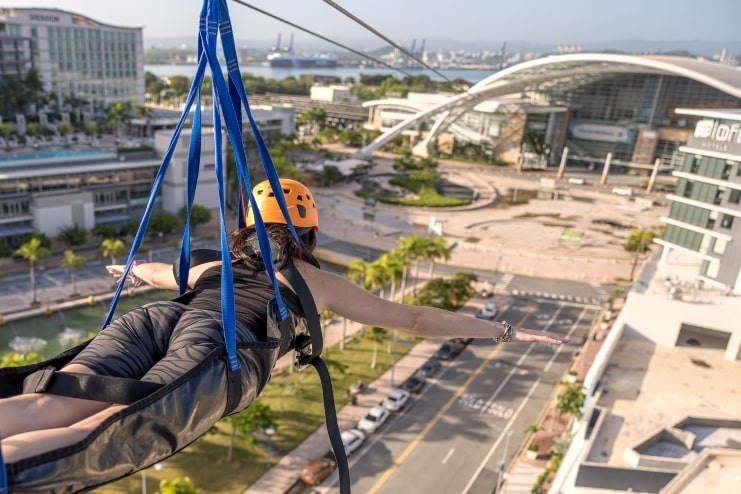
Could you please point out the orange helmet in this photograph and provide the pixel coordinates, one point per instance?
(299, 199)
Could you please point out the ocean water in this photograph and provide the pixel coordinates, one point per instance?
(471, 76)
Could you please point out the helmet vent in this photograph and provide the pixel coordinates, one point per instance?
(301, 210)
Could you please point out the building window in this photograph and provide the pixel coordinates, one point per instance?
(727, 221)
(712, 217)
(695, 166)
(735, 196)
(719, 195)
(719, 247)
(713, 268)
(688, 186)
(727, 170)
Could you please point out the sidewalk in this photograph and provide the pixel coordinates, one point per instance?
(285, 474)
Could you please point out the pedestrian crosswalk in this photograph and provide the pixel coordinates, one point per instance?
(502, 284)
(558, 296)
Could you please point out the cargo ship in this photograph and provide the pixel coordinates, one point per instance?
(285, 58)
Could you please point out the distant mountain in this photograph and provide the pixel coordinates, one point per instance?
(373, 46)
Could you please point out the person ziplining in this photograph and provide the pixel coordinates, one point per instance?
(158, 377)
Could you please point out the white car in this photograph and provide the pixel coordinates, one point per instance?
(488, 312)
(576, 181)
(622, 191)
(351, 440)
(374, 419)
(396, 400)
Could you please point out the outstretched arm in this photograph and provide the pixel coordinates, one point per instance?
(159, 274)
(339, 295)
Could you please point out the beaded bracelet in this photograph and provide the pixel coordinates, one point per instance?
(507, 335)
(133, 278)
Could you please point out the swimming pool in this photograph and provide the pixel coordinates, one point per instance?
(55, 157)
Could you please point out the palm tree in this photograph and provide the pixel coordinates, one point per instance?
(377, 335)
(436, 248)
(73, 263)
(570, 401)
(33, 251)
(376, 278)
(393, 264)
(112, 248)
(357, 272)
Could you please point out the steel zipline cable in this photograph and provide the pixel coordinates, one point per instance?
(370, 28)
(324, 38)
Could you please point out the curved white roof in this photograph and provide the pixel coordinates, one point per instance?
(565, 72)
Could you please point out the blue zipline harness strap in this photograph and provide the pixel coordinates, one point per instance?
(3, 474)
(229, 96)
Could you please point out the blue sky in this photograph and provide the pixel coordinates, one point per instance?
(488, 21)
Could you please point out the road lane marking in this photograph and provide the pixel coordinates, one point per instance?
(447, 457)
(453, 399)
(501, 436)
(560, 347)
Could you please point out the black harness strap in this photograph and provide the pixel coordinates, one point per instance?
(308, 351)
(88, 386)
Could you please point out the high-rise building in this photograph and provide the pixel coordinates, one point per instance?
(82, 62)
(705, 215)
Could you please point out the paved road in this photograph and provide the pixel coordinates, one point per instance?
(453, 437)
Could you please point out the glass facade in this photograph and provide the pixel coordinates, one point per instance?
(77, 57)
(704, 213)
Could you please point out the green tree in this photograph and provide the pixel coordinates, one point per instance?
(376, 335)
(640, 241)
(164, 223)
(92, 128)
(64, 129)
(19, 359)
(103, 231)
(199, 215)
(147, 114)
(179, 485)
(393, 264)
(118, 114)
(357, 272)
(73, 263)
(570, 401)
(351, 137)
(34, 129)
(258, 416)
(315, 118)
(112, 248)
(449, 294)
(72, 235)
(33, 251)
(6, 130)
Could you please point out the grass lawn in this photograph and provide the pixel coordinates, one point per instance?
(296, 400)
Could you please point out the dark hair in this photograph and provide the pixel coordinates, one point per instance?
(283, 246)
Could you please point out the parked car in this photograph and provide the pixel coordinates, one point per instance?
(465, 341)
(489, 311)
(622, 191)
(397, 400)
(413, 384)
(429, 368)
(351, 440)
(374, 419)
(317, 470)
(449, 350)
(576, 180)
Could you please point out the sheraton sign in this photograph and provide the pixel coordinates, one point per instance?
(717, 135)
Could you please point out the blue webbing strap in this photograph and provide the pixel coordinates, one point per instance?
(3, 474)
(218, 12)
(156, 185)
(194, 163)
